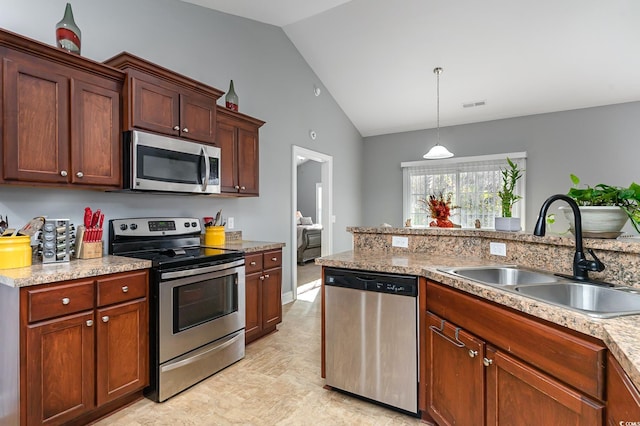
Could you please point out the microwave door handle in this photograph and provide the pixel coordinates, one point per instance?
(206, 168)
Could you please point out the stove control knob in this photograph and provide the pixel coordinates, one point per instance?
(133, 226)
(123, 227)
(194, 224)
(187, 224)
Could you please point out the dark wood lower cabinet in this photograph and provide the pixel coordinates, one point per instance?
(518, 394)
(623, 398)
(85, 351)
(263, 293)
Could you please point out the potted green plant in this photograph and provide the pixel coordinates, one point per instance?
(605, 208)
(508, 197)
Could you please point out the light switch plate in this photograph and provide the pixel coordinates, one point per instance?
(498, 249)
(230, 223)
(400, 242)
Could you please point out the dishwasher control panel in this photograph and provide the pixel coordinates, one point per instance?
(403, 285)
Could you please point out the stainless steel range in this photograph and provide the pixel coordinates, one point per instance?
(197, 312)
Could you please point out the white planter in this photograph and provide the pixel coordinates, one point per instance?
(598, 221)
(510, 224)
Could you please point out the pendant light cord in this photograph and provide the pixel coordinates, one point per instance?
(437, 71)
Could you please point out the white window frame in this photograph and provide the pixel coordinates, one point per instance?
(435, 166)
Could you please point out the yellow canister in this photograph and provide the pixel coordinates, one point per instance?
(214, 236)
(15, 252)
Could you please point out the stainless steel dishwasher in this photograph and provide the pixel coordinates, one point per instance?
(371, 336)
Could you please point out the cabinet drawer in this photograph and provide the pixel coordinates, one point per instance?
(58, 300)
(253, 263)
(272, 259)
(122, 287)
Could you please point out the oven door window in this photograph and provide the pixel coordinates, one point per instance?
(164, 165)
(204, 301)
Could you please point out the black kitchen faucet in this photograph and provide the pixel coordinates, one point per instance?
(581, 265)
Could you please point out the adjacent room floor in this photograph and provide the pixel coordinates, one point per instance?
(277, 383)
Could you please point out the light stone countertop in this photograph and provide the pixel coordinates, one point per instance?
(248, 246)
(44, 273)
(619, 334)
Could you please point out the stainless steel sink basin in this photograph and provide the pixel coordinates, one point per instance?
(593, 300)
(504, 275)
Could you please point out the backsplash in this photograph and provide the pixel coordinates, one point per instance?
(551, 253)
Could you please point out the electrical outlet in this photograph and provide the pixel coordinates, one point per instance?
(498, 249)
(400, 242)
(230, 223)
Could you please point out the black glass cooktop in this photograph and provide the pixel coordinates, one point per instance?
(177, 257)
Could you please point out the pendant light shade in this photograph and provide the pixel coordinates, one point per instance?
(438, 151)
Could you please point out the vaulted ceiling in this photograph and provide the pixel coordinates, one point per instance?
(376, 58)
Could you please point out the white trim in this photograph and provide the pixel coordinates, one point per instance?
(457, 160)
(326, 177)
(287, 297)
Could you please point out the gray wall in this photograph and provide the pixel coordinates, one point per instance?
(308, 176)
(273, 83)
(600, 145)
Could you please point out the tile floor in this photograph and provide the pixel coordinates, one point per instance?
(277, 383)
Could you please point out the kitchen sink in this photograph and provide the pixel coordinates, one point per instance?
(593, 300)
(504, 275)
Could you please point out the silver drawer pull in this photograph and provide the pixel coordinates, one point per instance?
(63, 173)
(243, 188)
(252, 263)
(65, 300)
(105, 319)
(89, 323)
(176, 127)
(185, 130)
(274, 259)
(125, 289)
(266, 275)
(487, 362)
(80, 174)
(473, 353)
(262, 277)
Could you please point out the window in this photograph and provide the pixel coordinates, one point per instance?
(473, 181)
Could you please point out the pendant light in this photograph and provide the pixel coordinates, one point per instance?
(438, 151)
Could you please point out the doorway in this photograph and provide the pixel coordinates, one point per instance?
(322, 193)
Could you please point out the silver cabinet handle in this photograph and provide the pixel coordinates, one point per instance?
(473, 353)
(185, 130)
(243, 188)
(89, 323)
(266, 276)
(125, 289)
(262, 278)
(65, 300)
(237, 187)
(63, 173)
(80, 174)
(105, 319)
(252, 263)
(176, 127)
(487, 362)
(274, 259)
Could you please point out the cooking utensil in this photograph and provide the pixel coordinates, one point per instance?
(95, 219)
(217, 218)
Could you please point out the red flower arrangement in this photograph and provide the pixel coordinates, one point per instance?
(440, 208)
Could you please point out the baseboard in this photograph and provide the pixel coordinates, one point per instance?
(287, 297)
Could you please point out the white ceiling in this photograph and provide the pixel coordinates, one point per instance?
(376, 58)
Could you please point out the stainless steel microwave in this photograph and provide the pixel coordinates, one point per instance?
(162, 163)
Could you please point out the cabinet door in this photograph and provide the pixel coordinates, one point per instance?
(155, 108)
(198, 117)
(122, 351)
(253, 307)
(59, 369)
(248, 161)
(35, 121)
(226, 140)
(95, 136)
(455, 386)
(271, 298)
(518, 394)
(623, 399)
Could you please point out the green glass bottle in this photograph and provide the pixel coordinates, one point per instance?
(67, 32)
(231, 99)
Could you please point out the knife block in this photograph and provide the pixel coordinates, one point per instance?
(87, 250)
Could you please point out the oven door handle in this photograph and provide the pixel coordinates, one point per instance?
(207, 172)
(200, 271)
(231, 340)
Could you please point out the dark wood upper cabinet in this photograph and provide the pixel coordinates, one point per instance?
(240, 155)
(60, 117)
(163, 101)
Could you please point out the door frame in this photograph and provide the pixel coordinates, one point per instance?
(326, 177)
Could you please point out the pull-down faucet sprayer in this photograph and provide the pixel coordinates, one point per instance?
(581, 266)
